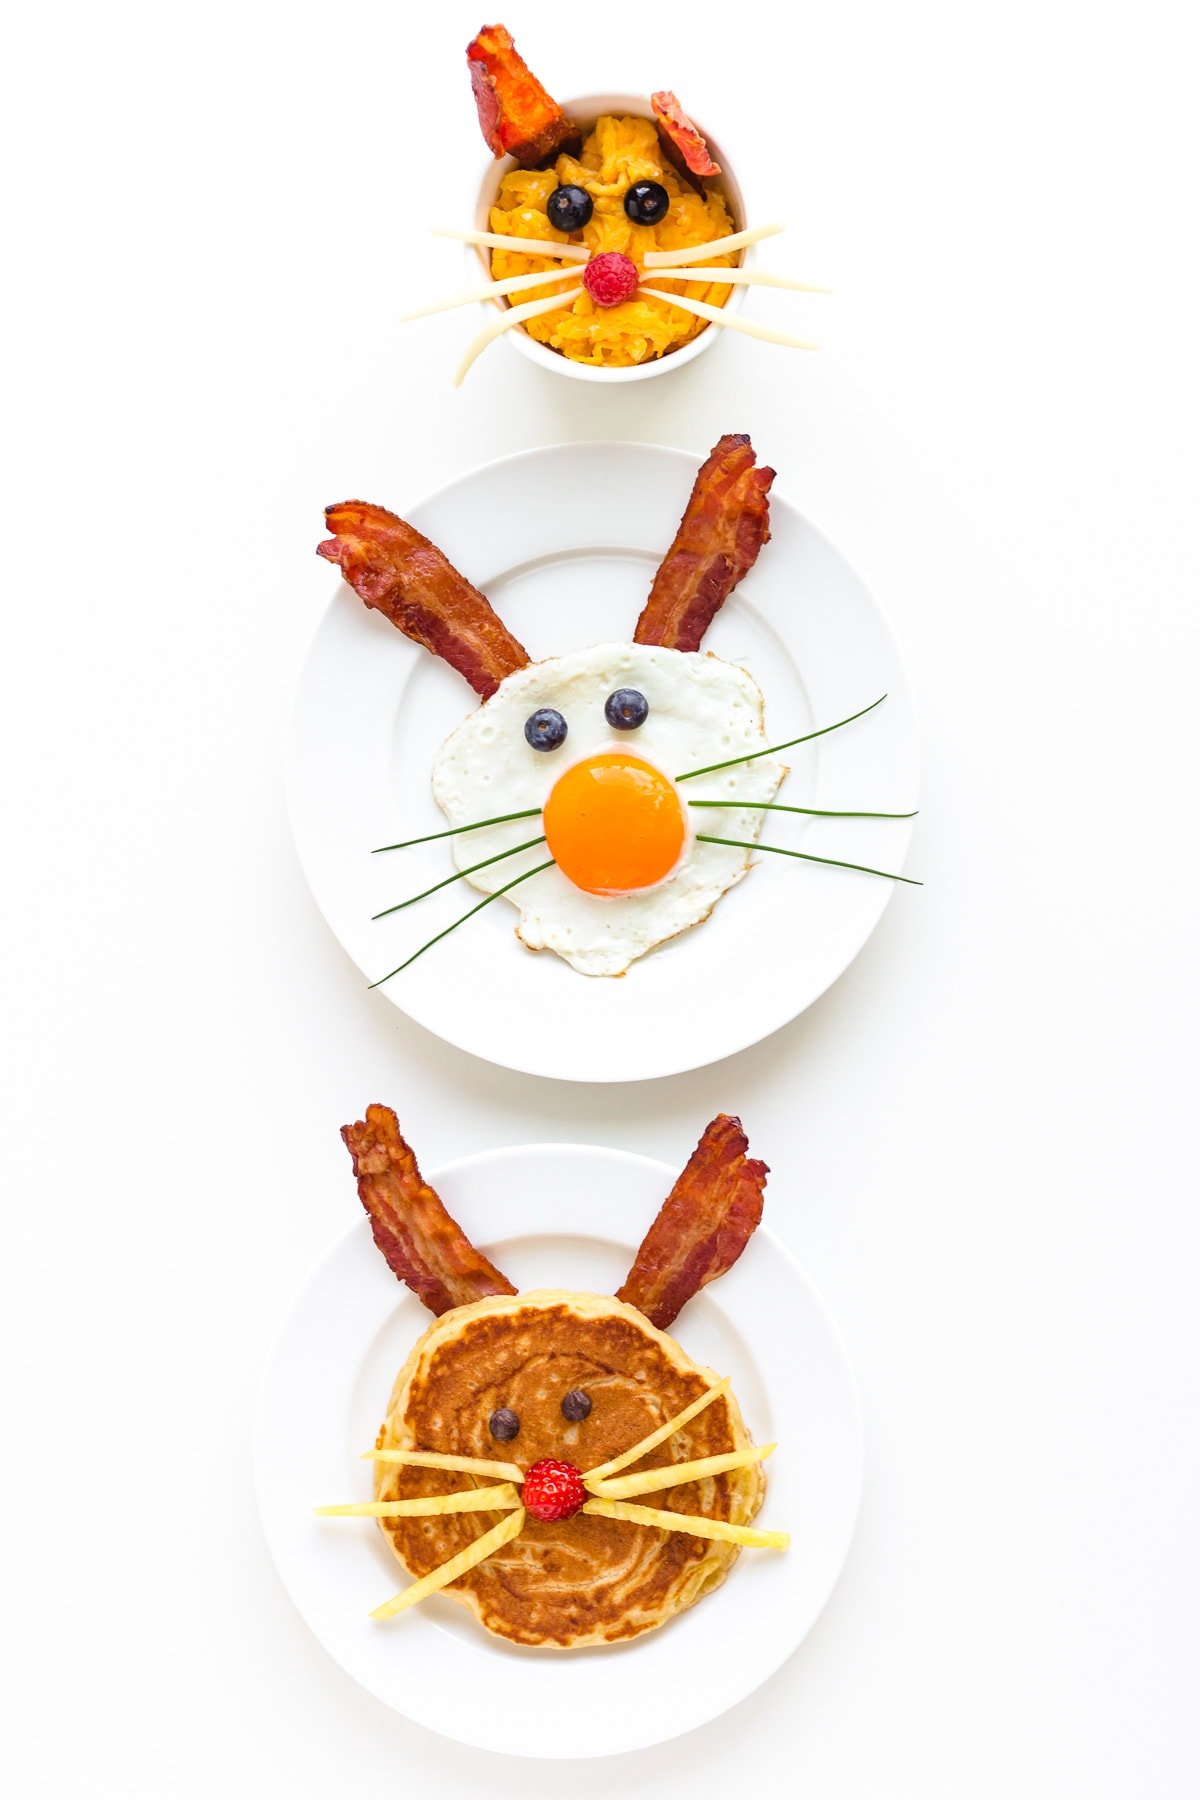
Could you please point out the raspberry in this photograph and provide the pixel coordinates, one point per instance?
(610, 278)
(553, 1490)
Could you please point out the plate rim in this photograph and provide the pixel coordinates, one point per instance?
(455, 1036)
(447, 1172)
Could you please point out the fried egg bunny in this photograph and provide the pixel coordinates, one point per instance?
(615, 793)
(611, 240)
(555, 1461)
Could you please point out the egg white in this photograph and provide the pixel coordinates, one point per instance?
(702, 710)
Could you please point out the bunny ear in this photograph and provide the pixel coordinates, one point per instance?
(685, 146)
(724, 526)
(420, 1242)
(402, 575)
(703, 1226)
(517, 116)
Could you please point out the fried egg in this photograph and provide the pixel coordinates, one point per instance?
(628, 872)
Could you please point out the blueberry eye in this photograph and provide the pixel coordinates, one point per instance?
(504, 1424)
(626, 709)
(576, 1405)
(569, 208)
(647, 202)
(545, 729)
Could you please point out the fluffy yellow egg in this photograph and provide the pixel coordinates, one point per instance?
(616, 154)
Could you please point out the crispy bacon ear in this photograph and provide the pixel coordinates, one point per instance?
(421, 1243)
(516, 115)
(724, 526)
(703, 1226)
(684, 144)
(402, 575)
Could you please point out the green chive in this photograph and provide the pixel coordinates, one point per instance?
(830, 862)
(774, 749)
(458, 876)
(812, 812)
(530, 812)
(486, 901)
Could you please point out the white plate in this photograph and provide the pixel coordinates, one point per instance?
(325, 1391)
(564, 542)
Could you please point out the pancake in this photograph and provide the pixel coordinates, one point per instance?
(585, 1580)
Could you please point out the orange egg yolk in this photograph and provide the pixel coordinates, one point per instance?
(614, 824)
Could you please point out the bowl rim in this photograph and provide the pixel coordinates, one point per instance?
(588, 108)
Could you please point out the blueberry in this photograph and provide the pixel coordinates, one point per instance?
(545, 729)
(569, 208)
(504, 1424)
(647, 202)
(626, 709)
(576, 1405)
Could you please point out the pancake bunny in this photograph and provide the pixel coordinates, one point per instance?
(554, 1460)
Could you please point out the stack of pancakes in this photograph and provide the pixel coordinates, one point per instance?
(583, 1580)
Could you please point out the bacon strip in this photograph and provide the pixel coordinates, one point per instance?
(405, 577)
(517, 116)
(703, 1226)
(679, 131)
(720, 535)
(421, 1243)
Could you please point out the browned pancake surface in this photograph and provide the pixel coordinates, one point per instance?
(581, 1580)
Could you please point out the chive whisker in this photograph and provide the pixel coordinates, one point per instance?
(773, 749)
(486, 901)
(458, 875)
(812, 812)
(830, 862)
(530, 812)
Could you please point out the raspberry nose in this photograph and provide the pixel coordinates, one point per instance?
(611, 279)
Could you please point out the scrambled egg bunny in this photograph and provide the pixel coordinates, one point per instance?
(637, 249)
(611, 795)
(619, 156)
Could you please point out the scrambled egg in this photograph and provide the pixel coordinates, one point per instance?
(617, 153)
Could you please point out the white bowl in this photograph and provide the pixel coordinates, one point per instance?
(587, 110)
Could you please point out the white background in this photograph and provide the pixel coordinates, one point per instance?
(214, 217)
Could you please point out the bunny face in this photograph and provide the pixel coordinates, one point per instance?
(586, 1578)
(523, 1429)
(629, 872)
(621, 158)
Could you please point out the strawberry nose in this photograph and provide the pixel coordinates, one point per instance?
(553, 1490)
